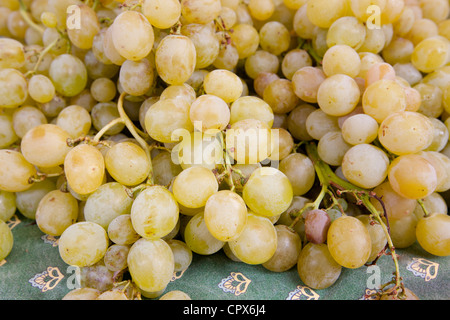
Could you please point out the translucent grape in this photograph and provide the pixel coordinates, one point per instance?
(208, 112)
(318, 123)
(41, 88)
(323, 13)
(162, 14)
(115, 258)
(359, 128)
(280, 95)
(433, 234)
(13, 88)
(84, 37)
(69, 75)
(246, 39)
(200, 11)
(338, 95)
(341, 59)
(251, 107)
(121, 231)
(137, 77)
(175, 295)
(299, 170)
(27, 201)
(274, 37)
(182, 254)
(75, 120)
(25, 118)
(7, 240)
(82, 294)
(377, 235)
(198, 238)
(15, 171)
(7, 205)
(223, 84)
(431, 54)
(206, 42)
(296, 121)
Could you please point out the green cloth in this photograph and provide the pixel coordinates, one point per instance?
(34, 271)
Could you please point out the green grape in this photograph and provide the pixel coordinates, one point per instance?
(430, 54)
(103, 113)
(431, 99)
(223, 84)
(299, 169)
(274, 37)
(69, 75)
(283, 144)
(338, 95)
(227, 58)
(377, 235)
(25, 118)
(27, 201)
(164, 117)
(121, 231)
(154, 212)
(207, 45)
(268, 192)
(323, 13)
(359, 128)
(435, 202)
(296, 121)
(433, 234)
(228, 17)
(261, 10)
(7, 205)
(262, 80)
(403, 231)
(84, 167)
(302, 25)
(359, 7)
(280, 95)
(288, 250)
(317, 223)
(75, 120)
(436, 10)
(399, 50)
(56, 211)
(164, 169)
(293, 61)
(349, 242)
(198, 237)
(251, 107)
(175, 59)
(406, 132)
(7, 134)
(261, 61)
(132, 35)
(245, 38)
(317, 267)
(225, 215)
(137, 77)
(83, 37)
(258, 241)
(13, 88)
(82, 294)
(422, 29)
(200, 11)
(16, 25)
(412, 176)
(346, 30)
(98, 276)
(175, 295)
(365, 165)
(183, 91)
(181, 253)
(15, 171)
(392, 11)
(374, 42)
(41, 88)
(162, 14)
(193, 186)
(12, 55)
(106, 203)
(318, 123)
(209, 112)
(341, 59)
(113, 294)
(83, 244)
(378, 71)
(7, 240)
(115, 258)
(111, 54)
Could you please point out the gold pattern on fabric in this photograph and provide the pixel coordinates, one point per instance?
(303, 293)
(47, 280)
(235, 283)
(423, 268)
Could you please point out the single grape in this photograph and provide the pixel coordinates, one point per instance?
(121, 231)
(7, 240)
(433, 234)
(115, 258)
(299, 169)
(182, 254)
(69, 75)
(377, 235)
(198, 237)
(317, 223)
(175, 295)
(15, 171)
(82, 294)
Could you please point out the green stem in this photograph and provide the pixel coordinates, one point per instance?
(422, 205)
(103, 130)
(24, 13)
(41, 57)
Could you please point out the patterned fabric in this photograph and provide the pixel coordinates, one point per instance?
(35, 271)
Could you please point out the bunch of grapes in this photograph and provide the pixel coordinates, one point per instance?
(285, 133)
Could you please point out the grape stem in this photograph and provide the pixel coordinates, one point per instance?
(27, 18)
(41, 57)
(422, 205)
(103, 130)
(329, 179)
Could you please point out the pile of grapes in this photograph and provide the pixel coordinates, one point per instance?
(308, 134)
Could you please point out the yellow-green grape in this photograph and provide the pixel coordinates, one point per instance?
(268, 192)
(41, 88)
(175, 295)
(294, 4)
(274, 37)
(206, 42)
(198, 237)
(316, 266)
(227, 17)
(261, 61)
(436, 10)
(406, 132)
(441, 164)
(257, 242)
(422, 29)
(48, 18)
(162, 14)
(223, 84)
(56, 211)
(403, 231)
(75, 120)
(183, 91)
(111, 54)
(399, 50)
(83, 244)
(332, 147)
(359, 8)
(365, 165)
(26, 117)
(154, 212)
(368, 59)
(245, 38)
(294, 60)
(127, 163)
(299, 170)
(435, 202)
(306, 82)
(412, 176)
(413, 99)
(7, 240)
(392, 11)
(431, 54)
(82, 294)
(378, 71)
(137, 77)
(13, 54)
(395, 205)
(103, 113)
(227, 58)
(349, 242)
(431, 100)
(175, 59)
(7, 133)
(283, 144)
(7, 205)
(132, 35)
(115, 258)
(165, 116)
(15, 171)
(341, 59)
(151, 264)
(240, 174)
(209, 112)
(377, 235)
(443, 29)
(89, 25)
(164, 169)
(106, 203)
(13, 88)
(338, 95)
(69, 75)
(323, 13)
(200, 11)
(359, 128)
(346, 30)
(121, 231)
(251, 107)
(288, 250)
(262, 80)
(27, 201)
(382, 98)
(433, 234)
(225, 215)
(318, 123)
(261, 10)
(248, 141)
(84, 167)
(182, 254)
(374, 42)
(280, 95)
(45, 145)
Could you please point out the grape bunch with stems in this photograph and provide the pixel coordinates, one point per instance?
(307, 134)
